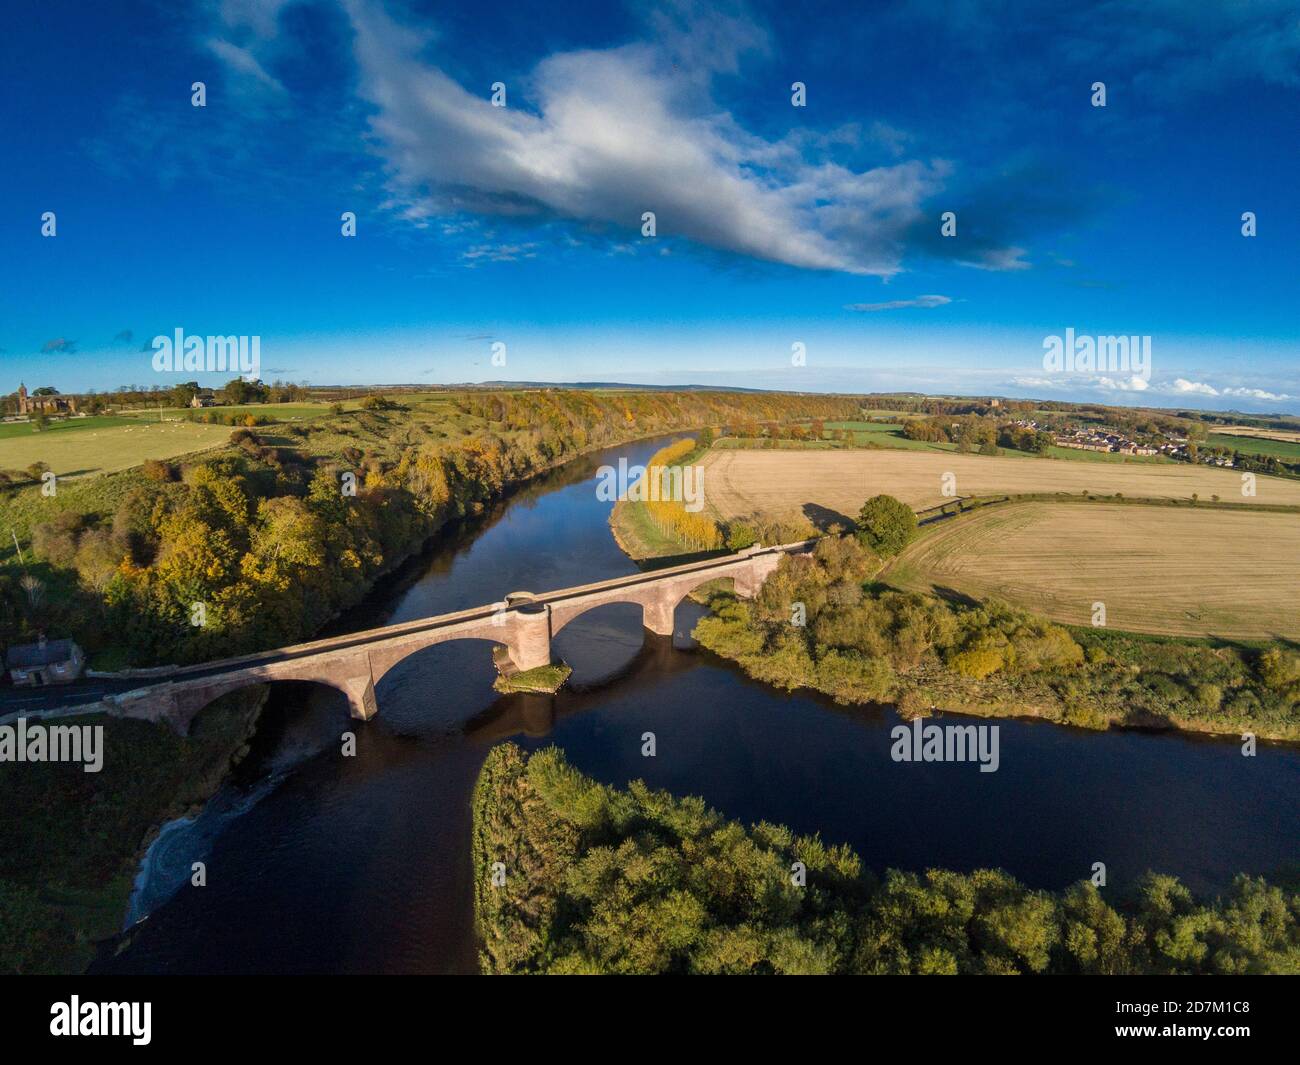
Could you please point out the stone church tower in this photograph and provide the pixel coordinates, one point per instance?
(44, 404)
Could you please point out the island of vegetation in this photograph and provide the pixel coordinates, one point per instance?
(572, 876)
(542, 679)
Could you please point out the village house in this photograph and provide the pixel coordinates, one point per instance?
(45, 662)
(204, 397)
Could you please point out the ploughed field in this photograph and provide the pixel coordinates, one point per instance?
(741, 483)
(1187, 572)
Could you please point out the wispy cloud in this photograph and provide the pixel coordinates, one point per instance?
(244, 64)
(500, 253)
(895, 305)
(999, 259)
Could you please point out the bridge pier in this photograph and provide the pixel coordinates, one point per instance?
(657, 615)
(749, 581)
(361, 697)
(530, 643)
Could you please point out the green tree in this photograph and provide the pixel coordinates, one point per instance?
(886, 525)
(182, 394)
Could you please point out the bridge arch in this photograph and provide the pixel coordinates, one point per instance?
(180, 706)
(658, 601)
(600, 643)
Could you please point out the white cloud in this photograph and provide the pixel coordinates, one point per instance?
(894, 305)
(1079, 382)
(1179, 386)
(626, 130)
(1133, 383)
(1182, 386)
(1255, 393)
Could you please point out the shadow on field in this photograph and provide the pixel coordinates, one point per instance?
(823, 517)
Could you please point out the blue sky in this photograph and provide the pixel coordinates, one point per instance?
(775, 224)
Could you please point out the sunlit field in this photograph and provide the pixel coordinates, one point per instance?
(105, 448)
(774, 483)
(1156, 569)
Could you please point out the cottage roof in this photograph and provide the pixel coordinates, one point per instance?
(27, 655)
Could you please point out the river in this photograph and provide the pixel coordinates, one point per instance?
(321, 863)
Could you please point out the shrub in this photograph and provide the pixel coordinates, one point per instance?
(978, 664)
(849, 677)
(157, 470)
(1278, 668)
(912, 704)
(1209, 696)
(740, 536)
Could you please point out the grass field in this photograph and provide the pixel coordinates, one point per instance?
(108, 448)
(1285, 446)
(865, 427)
(275, 412)
(1157, 570)
(104, 444)
(16, 430)
(775, 483)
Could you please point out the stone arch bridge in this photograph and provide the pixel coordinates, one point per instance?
(522, 625)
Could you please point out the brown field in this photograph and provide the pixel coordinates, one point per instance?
(740, 483)
(1158, 570)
